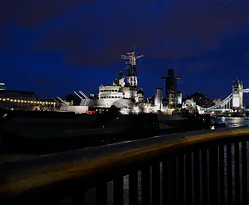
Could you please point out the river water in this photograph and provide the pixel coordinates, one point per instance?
(237, 121)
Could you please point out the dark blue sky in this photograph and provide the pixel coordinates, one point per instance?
(53, 47)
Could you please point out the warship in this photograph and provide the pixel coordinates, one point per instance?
(118, 110)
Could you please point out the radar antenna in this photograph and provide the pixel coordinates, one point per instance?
(131, 70)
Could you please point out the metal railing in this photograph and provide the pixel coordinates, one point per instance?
(199, 167)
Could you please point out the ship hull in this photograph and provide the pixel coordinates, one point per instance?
(24, 130)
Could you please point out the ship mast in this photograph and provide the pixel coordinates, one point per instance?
(131, 70)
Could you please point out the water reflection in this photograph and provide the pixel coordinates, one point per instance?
(233, 122)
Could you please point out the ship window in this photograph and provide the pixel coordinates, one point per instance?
(112, 96)
(115, 96)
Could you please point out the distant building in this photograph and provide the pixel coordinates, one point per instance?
(217, 101)
(237, 94)
(22, 100)
(172, 96)
(2, 86)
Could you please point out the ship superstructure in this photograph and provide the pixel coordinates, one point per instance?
(123, 93)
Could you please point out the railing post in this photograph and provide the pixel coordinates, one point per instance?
(146, 185)
(173, 181)
(196, 177)
(189, 178)
(204, 177)
(229, 173)
(165, 183)
(101, 193)
(221, 171)
(237, 173)
(244, 173)
(156, 183)
(118, 191)
(133, 188)
(213, 175)
(181, 180)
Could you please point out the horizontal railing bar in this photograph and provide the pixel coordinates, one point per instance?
(41, 174)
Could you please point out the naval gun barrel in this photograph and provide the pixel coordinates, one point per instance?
(78, 95)
(62, 101)
(83, 94)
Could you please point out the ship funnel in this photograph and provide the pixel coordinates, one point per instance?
(158, 99)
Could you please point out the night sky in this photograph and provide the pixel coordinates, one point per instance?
(53, 47)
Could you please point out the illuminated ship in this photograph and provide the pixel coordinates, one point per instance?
(117, 110)
(123, 94)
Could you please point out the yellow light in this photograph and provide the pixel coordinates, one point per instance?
(103, 126)
(4, 99)
(14, 100)
(25, 101)
(18, 100)
(21, 100)
(11, 100)
(7, 98)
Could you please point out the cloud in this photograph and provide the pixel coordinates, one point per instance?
(26, 13)
(97, 33)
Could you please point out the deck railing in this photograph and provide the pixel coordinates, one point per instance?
(200, 167)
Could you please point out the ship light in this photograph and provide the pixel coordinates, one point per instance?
(103, 126)
(4, 99)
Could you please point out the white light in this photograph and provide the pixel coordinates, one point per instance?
(235, 102)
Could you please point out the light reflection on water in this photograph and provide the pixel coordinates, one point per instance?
(237, 121)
